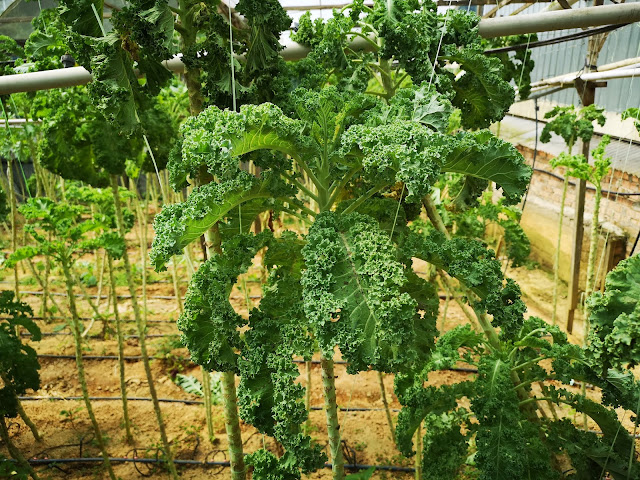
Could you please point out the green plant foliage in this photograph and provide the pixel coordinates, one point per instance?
(414, 35)
(192, 385)
(615, 318)
(79, 143)
(367, 154)
(572, 123)
(518, 65)
(61, 232)
(472, 223)
(18, 362)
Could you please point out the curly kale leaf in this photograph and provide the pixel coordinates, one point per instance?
(141, 39)
(471, 223)
(474, 265)
(18, 362)
(518, 65)
(480, 93)
(419, 402)
(444, 446)
(270, 397)
(209, 324)
(179, 224)
(353, 293)
(266, 19)
(508, 446)
(482, 155)
(615, 318)
(402, 151)
(215, 139)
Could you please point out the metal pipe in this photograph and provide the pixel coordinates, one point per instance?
(602, 68)
(488, 28)
(549, 21)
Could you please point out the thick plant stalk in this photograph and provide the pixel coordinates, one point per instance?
(80, 365)
(141, 332)
(23, 414)
(143, 251)
(43, 284)
(307, 396)
(418, 462)
(101, 278)
(383, 394)
(206, 394)
(556, 263)
(28, 422)
(121, 367)
(333, 426)
(14, 223)
(230, 398)
(593, 249)
(232, 425)
(14, 451)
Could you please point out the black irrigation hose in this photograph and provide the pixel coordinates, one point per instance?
(207, 463)
(148, 335)
(128, 320)
(573, 184)
(81, 295)
(561, 39)
(177, 400)
(137, 357)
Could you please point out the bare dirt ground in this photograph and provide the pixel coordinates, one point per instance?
(67, 432)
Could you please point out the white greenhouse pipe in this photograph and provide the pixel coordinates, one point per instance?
(548, 21)
(488, 28)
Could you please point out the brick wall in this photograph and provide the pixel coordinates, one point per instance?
(619, 214)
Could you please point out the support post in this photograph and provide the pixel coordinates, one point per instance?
(587, 92)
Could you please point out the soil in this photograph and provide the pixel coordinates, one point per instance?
(65, 426)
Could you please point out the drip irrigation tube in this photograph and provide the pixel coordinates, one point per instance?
(137, 357)
(128, 320)
(80, 295)
(148, 335)
(175, 400)
(206, 463)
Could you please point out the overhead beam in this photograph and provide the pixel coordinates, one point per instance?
(488, 28)
(560, 20)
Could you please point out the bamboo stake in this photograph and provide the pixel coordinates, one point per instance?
(14, 223)
(206, 393)
(307, 396)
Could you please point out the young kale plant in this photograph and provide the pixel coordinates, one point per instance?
(100, 201)
(60, 231)
(18, 370)
(572, 125)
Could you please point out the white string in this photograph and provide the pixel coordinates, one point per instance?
(435, 59)
(233, 92)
